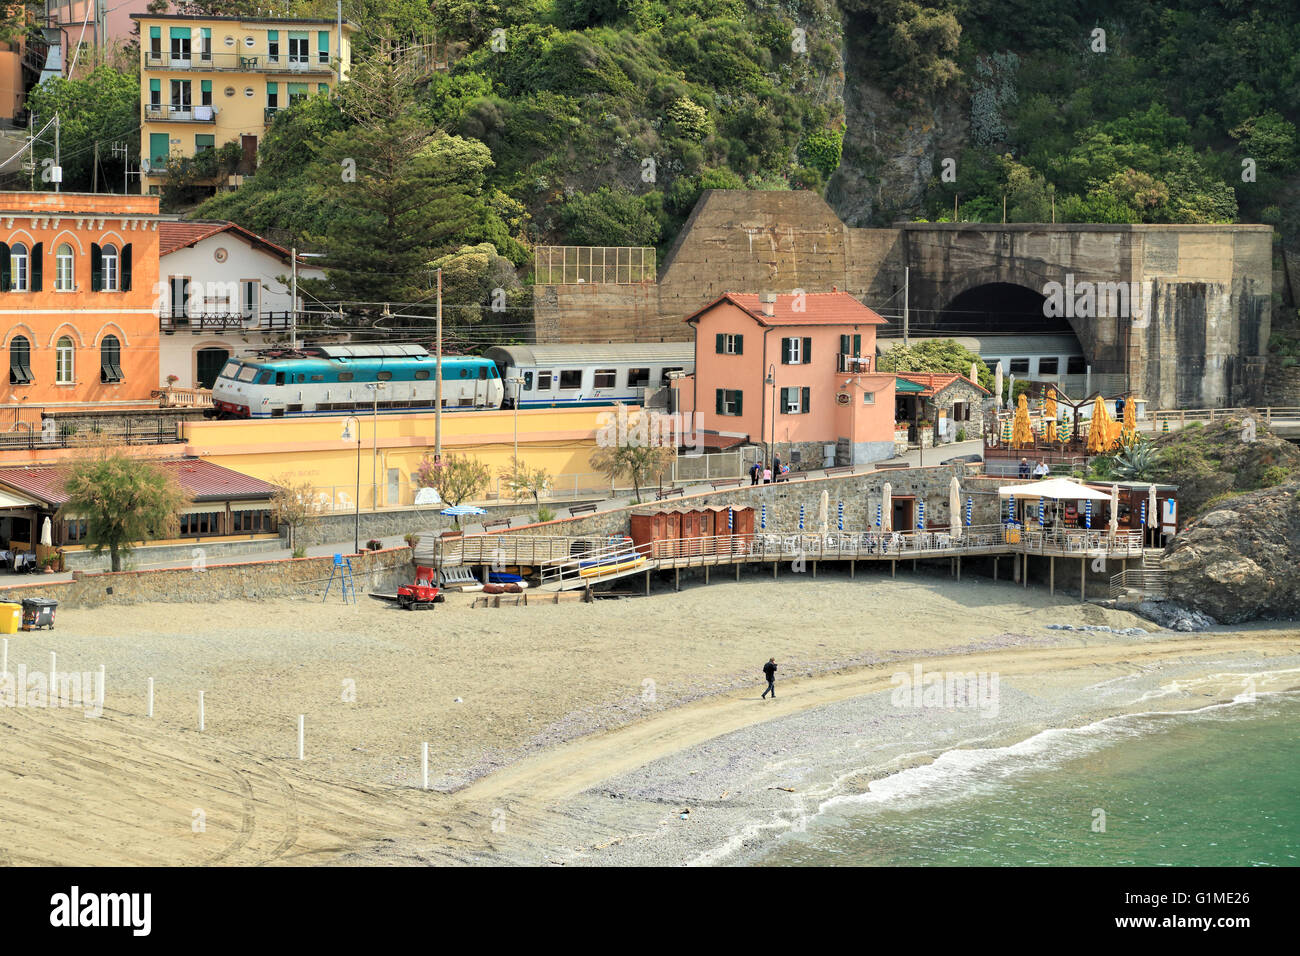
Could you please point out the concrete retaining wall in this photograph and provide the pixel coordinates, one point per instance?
(254, 580)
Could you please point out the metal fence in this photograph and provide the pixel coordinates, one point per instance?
(571, 265)
(713, 466)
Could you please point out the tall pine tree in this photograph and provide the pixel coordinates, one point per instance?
(402, 206)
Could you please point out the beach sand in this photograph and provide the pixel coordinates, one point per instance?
(575, 706)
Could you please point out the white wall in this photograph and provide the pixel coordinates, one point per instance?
(178, 351)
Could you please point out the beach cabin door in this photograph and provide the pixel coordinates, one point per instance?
(904, 516)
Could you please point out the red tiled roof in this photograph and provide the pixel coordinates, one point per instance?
(175, 235)
(200, 480)
(935, 382)
(816, 308)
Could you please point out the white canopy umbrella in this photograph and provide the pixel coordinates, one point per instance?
(973, 377)
(886, 507)
(1114, 508)
(997, 384)
(1153, 519)
(822, 508)
(47, 536)
(1056, 488)
(954, 507)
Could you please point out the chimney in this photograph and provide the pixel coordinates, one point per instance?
(767, 303)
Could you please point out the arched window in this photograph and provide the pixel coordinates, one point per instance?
(63, 268)
(18, 265)
(20, 361)
(63, 366)
(108, 258)
(110, 359)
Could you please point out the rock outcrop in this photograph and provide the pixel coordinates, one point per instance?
(1241, 560)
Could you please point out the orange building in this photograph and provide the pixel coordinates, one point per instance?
(78, 277)
(792, 373)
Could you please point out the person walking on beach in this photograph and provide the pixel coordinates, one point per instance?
(769, 671)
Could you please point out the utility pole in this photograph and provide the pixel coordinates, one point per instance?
(293, 299)
(437, 399)
(94, 172)
(907, 280)
(58, 167)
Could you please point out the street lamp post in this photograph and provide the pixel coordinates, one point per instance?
(375, 388)
(348, 423)
(518, 382)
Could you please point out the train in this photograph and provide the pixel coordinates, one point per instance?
(400, 377)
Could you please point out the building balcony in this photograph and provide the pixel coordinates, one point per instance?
(181, 114)
(200, 323)
(852, 363)
(238, 63)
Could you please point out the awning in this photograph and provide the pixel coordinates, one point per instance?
(1061, 488)
(9, 499)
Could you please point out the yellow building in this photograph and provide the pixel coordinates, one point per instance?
(209, 81)
(560, 440)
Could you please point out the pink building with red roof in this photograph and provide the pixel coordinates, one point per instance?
(793, 373)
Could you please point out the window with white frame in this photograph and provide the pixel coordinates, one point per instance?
(605, 377)
(63, 361)
(63, 268)
(108, 261)
(18, 266)
(796, 351)
(795, 400)
(727, 343)
(868, 398)
(729, 401)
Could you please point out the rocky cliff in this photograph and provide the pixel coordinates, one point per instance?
(1241, 560)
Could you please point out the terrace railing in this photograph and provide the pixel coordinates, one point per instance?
(573, 265)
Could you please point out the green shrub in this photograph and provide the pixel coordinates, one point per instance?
(1274, 475)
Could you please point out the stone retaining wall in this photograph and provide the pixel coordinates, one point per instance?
(387, 523)
(255, 580)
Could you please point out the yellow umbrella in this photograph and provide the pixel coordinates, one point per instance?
(1021, 432)
(1099, 437)
(1130, 422)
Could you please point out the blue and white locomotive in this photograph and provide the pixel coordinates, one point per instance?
(328, 379)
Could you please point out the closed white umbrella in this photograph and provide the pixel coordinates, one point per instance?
(887, 507)
(1114, 508)
(1153, 518)
(973, 376)
(822, 512)
(954, 507)
(47, 535)
(997, 384)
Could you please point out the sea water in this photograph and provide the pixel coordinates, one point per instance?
(1215, 786)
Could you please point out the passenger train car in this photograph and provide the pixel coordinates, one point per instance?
(556, 376)
(327, 379)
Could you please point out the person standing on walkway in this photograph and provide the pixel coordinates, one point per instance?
(776, 467)
(769, 671)
(755, 472)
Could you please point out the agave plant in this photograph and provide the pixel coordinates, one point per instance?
(1136, 462)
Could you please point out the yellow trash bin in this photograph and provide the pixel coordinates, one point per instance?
(11, 618)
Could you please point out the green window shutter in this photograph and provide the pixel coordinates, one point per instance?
(807, 351)
(155, 33)
(297, 89)
(721, 401)
(272, 88)
(204, 141)
(322, 87)
(719, 343)
(787, 351)
(273, 36)
(96, 268)
(6, 279)
(805, 402)
(179, 33)
(297, 34)
(205, 33)
(857, 345)
(155, 86)
(740, 400)
(323, 41)
(124, 268)
(844, 344)
(784, 400)
(205, 86)
(159, 148)
(740, 344)
(38, 266)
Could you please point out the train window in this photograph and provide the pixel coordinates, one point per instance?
(544, 381)
(345, 376)
(384, 376)
(230, 370)
(421, 374)
(1020, 366)
(1048, 366)
(571, 378)
(248, 373)
(606, 377)
(528, 381)
(638, 377)
(663, 379)
(492, 372)
(279, 378)
(318, 378)
(482, 373)
(1075, 365)
(265, 377)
